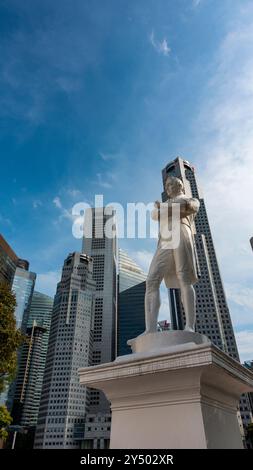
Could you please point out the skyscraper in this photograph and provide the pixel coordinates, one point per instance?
(41, 311)
(130, 274)
(32, 363)
(249, 365)
(103, 251)
(26, 399)
(64, 403)
(131, 311)
(8, 262)
(23, 286)
(212, 313)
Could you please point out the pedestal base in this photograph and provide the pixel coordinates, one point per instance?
(163, 341)
(173, 400)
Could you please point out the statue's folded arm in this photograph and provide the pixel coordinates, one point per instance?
(187, 207)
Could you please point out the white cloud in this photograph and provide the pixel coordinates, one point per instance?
(59, 59)
(240, 295)
(74, 192)
(225, 140)
(5, 221)
(164, 312)
(106, 180)
(68, 84)
(196, 3)
(244, 341)
(57, 202)
(47, 282)
(108, 156)
(65, 213)
(241, 316)
(36, 203)
(112, 176)
(102, 182)
(143, 259)
(160, 46)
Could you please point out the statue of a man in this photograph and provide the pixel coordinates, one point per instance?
(177, 266)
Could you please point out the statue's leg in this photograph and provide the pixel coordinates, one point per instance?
(152, 304)
(188, 297)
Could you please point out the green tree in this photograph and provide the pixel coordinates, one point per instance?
(10, 340)
(10, 337)
(5, 421)
(249, 434)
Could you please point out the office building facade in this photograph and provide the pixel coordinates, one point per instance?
(25, 395)
(32, 363)
(131, 297)
(130, 274)
(103, 250)
(64, 403)
(23, 287)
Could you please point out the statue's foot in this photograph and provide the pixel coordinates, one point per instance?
(189, 328)
(146, 332)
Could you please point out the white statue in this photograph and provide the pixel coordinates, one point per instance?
(176, 266)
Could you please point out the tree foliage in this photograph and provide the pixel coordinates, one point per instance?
(5, 421)
(10, 337)
(249, 434)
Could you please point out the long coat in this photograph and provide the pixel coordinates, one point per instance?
(184, 257)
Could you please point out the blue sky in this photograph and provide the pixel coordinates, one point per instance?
(97, 96)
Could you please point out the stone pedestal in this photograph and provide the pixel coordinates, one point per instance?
(161, 341)
(172, 397)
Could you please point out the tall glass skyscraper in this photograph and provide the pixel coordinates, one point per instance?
(130, 274)
(32, 362)
(23, 286)
(64, 403)
(131, 311)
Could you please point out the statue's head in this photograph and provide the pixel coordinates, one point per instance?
(173, 186)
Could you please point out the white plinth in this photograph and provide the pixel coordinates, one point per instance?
(173, 399)
(165, 340)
